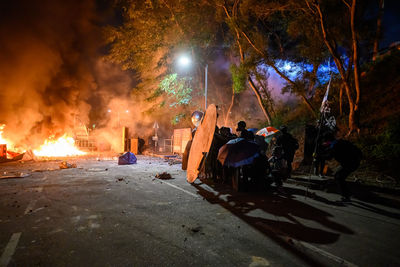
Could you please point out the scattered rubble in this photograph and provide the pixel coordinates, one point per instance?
(11, 175)
(97, 170)
(173, 159)
(66, 165)
(163, 176)
(122, 179)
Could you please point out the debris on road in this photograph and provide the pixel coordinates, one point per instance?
(97, 170)
(44, 170)
(195, 229)
(122, 179)
(6, 175)
(163, 176)
(173, 159)
(66, 165)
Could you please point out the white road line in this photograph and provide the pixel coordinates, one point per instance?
(9, 250)
(328, 255)
(183, 190)
(30, 206)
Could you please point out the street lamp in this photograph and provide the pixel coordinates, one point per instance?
(185, 61)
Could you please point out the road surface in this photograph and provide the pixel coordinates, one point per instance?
(102, 214)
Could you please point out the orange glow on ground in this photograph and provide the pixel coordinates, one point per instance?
(61, 147)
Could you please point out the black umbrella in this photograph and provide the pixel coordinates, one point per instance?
(238, 152)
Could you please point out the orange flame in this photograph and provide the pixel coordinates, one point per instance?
(2, 140)
(10, 145)
(62, 147)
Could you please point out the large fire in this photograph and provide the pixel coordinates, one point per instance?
(61, 147)
(52, 147)
(4, 141)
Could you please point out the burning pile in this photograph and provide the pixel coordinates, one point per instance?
(63, 146)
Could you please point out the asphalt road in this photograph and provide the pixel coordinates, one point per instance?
(102, 214)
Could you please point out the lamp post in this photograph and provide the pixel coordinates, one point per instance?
(184, 61)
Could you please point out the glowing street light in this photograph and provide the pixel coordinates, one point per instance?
(185, 61)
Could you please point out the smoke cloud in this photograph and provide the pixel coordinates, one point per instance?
(51, 72)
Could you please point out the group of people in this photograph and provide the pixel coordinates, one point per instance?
(283, 150)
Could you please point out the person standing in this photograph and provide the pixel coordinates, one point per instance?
(243, 132)
(289, 145)
(349, 157)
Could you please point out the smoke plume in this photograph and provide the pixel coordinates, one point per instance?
(51, 73)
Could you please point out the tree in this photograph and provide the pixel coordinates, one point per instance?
(152, 35)
(378, 29)
(248, 21)
(331, 41)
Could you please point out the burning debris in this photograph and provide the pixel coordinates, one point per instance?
(61, 147)
(66, 165)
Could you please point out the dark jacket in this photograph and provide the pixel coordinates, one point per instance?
(246, 134)
(289, 145)
(345, 152)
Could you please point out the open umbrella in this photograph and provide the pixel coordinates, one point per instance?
(268, 131)
(238, 152)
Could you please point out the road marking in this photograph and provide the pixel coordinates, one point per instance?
(9, 250)
(183, 190)
(30, 206)
(328, 255)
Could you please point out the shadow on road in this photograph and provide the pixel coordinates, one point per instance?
(363, 197)
(282, 218)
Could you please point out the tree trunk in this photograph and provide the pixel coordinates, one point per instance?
(356, 62)
(283, 76)
(354, 123)
(341, 100)
(339, 64)
(378, 29)
(260, 102)
(228, 113)
(259, 99)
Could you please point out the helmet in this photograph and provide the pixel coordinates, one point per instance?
(283, 129)
(196, 118)
(241, 125)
